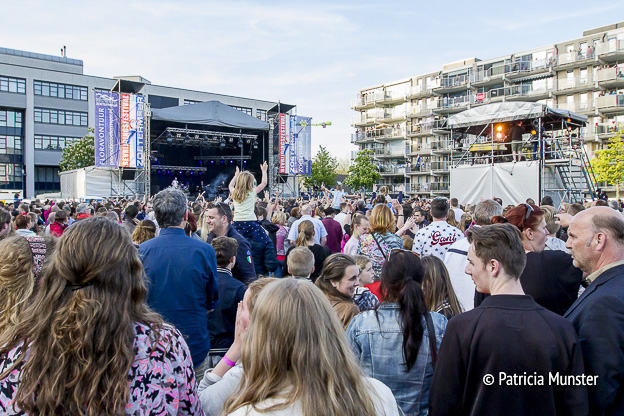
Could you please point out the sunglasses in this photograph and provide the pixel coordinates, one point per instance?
(219, 207)
(529, 211)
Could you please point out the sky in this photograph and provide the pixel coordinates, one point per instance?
(315, 54)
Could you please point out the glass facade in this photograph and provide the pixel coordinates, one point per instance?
(9, 84)
(242, 109)
(261, 114)
(52, 89)
(52, 116)
(43, 142)
(11, 148)
(47, 179)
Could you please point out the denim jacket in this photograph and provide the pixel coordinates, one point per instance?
(378, 345)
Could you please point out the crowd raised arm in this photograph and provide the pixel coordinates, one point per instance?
(330, 304)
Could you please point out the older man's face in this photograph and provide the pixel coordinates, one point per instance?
(579, 244)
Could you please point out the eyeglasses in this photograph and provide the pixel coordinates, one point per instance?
(529, 211)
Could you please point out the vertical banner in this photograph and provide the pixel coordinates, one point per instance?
(304, 145)
(283, 143)
(125, 130)
(132, 133)
(106, 129)
(140, 131)
(292, 148)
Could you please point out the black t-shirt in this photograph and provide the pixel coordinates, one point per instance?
(320, 254)
(516, 133)
(551, 278)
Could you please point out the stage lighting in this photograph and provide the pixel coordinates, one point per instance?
(499, 128)
(499, 135)
(222, 142)
(231, 139)
(533, 133)
(168, 172)
(179, 136)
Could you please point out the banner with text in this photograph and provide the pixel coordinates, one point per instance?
(295, 140)
(303, 140)
(106, 129)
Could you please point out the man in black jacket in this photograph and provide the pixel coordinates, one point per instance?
(508, 356)
(596, 242)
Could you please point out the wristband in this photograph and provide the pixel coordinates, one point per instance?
(229, 362)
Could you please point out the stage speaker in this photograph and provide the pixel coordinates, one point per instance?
(127, 175)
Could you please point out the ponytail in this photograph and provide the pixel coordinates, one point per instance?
(306, 232)
(401, 282)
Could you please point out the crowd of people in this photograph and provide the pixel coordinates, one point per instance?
(338, 305)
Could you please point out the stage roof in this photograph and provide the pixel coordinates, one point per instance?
(510, 111)
(209, 113)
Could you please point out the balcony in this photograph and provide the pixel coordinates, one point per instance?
(610, 78)
(418, 91)
(576, 107)
(442, 146)
(440, 187)
(421, 110)
(440, 167)
(421, 169)
(613, 103)
(425, 128)
(390, 153)
(571, 85)
(389, 98)
(610, 51)
(454, 104)
(605, 131)
(490, 76)
(363, 102)
(362, 120)
(420, 188)
(522, 69)
(452, 84)
(392, 117)
(391, 171)
(575, 58)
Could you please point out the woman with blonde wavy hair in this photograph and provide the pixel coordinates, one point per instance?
(87, 344)
(146, 230)
(20, 268)
(297, 360)
(305, 238)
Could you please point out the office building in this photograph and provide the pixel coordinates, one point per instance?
(46, 102)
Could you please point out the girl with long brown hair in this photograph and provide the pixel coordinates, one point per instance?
(297, 360)
(439, 294)
(87, 344)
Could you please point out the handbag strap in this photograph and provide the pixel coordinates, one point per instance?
(379, 245)
(432, 339)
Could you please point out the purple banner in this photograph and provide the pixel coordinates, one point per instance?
(106, 129)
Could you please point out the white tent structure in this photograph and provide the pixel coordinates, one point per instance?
(560, 168)
(95, 183)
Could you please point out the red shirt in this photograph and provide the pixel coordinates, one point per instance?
(375, 289)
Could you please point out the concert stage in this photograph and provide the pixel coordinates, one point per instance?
(201, 145)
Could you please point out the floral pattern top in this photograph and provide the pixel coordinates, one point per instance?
(161, 380)
(369, 248)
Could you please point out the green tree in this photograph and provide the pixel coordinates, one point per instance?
(79, 154)
(362, 173)
(323, 169)
(608, 165)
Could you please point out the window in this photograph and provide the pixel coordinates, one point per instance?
(43, 142)
(47, 179)
(51, 89)
(187, 102)
(16, 85)
(10, 176)
(10, 118)
(242, 109)
(52, 116)
(261, 114)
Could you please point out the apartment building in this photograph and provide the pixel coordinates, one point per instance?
(401, 121)
(47, 102)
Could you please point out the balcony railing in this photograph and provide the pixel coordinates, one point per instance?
(608, 101)
(422, 167)
(440, 166)
(575, 56)
(420, 187)
(392, 170)
(426, 126)
(456, 81)
(605, 129)
(376, 134)
(609, 74)
(575, 106)
(567, 83)
(390, 152)
(442, 145)
(611, 46)
(455, 101)
(440, 186)
(523, 90)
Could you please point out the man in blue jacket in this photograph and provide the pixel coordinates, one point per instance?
(182, 276)
(219, 221)
(596, 242)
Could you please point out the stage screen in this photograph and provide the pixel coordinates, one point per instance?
(295, 145)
